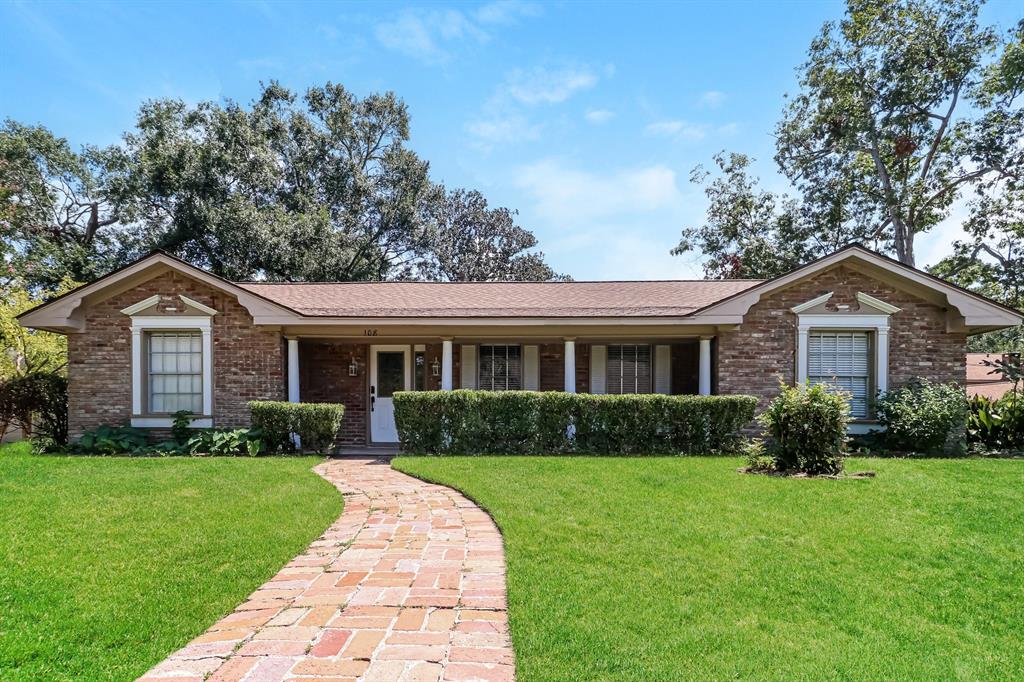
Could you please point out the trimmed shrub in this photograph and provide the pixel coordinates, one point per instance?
(316, 424)
(806, 427)
(924, 417)
(522, 422)
(112, 440)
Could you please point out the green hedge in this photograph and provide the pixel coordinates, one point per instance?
(526, 422)
(316, 424)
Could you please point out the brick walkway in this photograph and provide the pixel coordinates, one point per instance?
(408, 584)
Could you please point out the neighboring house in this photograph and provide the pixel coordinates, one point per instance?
(982, 379)
(161, 335)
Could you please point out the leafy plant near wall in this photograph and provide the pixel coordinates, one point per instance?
(924, 417)
(469, 422)
(996, 424)
(806, 427)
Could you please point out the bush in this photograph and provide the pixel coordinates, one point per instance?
(996, 424)
(38, 403)
(521, 422)
(316, 424)
(924, 417)
(807, 429)
(112, 440)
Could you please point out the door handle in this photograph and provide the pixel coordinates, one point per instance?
(373, 397)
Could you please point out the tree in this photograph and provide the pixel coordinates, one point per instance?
(56, 220)
(24, 352)
(749, 232)
(317, 188)
(892, 106)
(991, 259)
(473, 243)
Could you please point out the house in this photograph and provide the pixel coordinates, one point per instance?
(161, 335)
(983, 380)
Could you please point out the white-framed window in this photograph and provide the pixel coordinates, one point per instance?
(501, 367)
(628, 368)
(174, 380)
(172, 369)
(842, 360)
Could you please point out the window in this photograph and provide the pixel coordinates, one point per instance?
(175, 372)
(629, 369)
(501, 368)
(842, 360)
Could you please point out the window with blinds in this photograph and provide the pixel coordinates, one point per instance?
(628, 368)
(175, 372)
(841, 360)
(501, 368)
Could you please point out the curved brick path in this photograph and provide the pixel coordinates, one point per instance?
(408, 584)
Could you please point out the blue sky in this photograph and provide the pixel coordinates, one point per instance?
(585, 117)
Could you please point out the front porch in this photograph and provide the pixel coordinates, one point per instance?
(362, 373)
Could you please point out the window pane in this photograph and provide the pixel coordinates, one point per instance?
(628, 369)
(390, 373)
(175, 372)
(841, 360)
(500, 368)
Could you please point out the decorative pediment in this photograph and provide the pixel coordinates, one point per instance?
(169, 305)
(869, 305)
(879, 305)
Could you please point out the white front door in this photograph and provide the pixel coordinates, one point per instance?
(390, 371)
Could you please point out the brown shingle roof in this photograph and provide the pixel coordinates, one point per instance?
(499, 299)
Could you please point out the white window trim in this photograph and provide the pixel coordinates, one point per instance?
(143, 324)
(879, 324)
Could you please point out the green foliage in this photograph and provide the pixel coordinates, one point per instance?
(924, 417)
(112, 440)
(807, 426)
(37, 403)
(316, 424)
(518, 422)
(28, 351)
(749, 232)
(181, 426)
(997, 424)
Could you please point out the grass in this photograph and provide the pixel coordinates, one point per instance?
(109, 564)
(681, 568)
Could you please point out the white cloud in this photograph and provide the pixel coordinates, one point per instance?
(678, 129)
(568, 196)
(712, 99)
(501, 130)
(547, 86)
(728, 129)
(506, 11)
(599, 116)
(427, 35)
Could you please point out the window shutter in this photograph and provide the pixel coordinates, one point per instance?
(531, 368)
(841, 360)
(663, 369)
(598, 369)
(467, 354)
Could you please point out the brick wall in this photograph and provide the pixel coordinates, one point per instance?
(248, 363)
(754, 357)
(324, 378)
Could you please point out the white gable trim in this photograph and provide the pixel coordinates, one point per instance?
(197, 305)
(877, 304)
(824, 298)
(141, 305)
(978, 312)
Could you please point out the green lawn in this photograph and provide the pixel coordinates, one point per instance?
(109, 564)
(681, 568)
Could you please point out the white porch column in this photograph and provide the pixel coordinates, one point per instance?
(446, 364)
(293, 370)
(704, 376)
(570, 365)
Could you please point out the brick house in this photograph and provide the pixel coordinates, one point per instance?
(161, 335)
